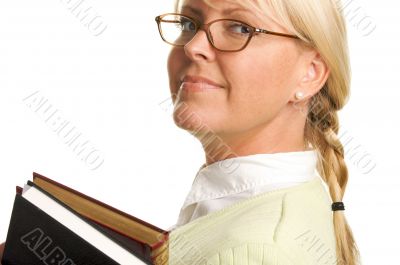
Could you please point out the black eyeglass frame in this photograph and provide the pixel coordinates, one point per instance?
(206, 28)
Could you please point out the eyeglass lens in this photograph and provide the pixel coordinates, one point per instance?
(224, 34)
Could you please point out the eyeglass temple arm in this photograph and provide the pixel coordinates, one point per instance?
(276, 33)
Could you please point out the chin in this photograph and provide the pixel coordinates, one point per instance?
(191, 120)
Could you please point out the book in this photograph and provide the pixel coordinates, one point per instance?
(54, 224)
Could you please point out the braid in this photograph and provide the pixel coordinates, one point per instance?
(321, 131)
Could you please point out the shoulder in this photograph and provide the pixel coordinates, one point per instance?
(306, 226)
(281, 225)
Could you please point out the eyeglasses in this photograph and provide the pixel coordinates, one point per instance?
(227, 35)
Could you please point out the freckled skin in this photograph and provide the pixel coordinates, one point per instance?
(254, 112)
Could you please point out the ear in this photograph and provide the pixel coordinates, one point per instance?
(313, 78)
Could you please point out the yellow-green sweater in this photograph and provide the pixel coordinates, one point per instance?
(289, 226)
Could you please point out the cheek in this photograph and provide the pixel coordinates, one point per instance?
(260, 85)
(252, 80)
(175, 66)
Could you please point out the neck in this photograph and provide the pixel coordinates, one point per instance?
(274, 137)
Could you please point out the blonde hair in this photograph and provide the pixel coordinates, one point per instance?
(320, 24)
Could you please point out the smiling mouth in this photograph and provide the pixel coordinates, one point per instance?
(199, 79)
(198, 87)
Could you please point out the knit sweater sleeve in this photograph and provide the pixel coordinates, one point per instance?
(252, 254)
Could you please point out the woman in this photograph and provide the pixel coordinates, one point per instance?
(260, 90)
(259, 84)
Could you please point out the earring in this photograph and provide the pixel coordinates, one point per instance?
(299, 95)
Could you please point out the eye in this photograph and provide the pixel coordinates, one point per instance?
(187, 25)
(239, 28)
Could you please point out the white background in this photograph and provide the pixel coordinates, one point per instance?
(110, 88)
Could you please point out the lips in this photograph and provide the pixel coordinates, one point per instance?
(200, 80)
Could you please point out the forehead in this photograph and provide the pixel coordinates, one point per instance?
(227, 7)
(216, 5)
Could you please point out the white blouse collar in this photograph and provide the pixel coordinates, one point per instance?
(238, 174)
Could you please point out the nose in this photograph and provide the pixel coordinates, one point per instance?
(199, 48)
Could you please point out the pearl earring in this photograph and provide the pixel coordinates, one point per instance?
(299, 95)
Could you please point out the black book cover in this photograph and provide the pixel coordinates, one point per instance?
(36, 238)
(139, 250)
